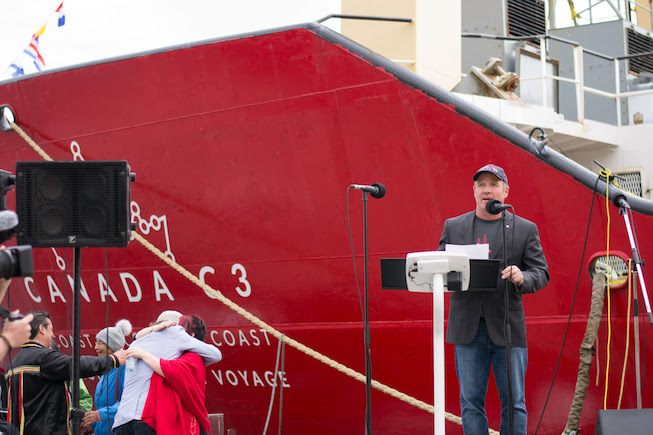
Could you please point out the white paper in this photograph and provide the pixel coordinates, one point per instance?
(480, 251)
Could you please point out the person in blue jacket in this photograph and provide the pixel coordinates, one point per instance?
(109, 389)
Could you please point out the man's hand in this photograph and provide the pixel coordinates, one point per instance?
(90, 417)
(163, 325)
(17, 332)
(122, 356)
(136, 352)
(514, 274)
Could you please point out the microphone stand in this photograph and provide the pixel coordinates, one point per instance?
(507, 331)
(621, 202)
(377, 190)
(368, 361)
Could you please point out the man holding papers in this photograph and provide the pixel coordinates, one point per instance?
(477, 319)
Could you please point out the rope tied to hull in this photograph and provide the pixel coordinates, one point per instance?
(587, 352)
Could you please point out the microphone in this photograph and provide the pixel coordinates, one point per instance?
(8, 220)
(494, 206)
(376, 190)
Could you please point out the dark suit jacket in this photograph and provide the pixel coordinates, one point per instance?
(466, 308)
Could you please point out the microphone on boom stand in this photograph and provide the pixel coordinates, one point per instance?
(376, 190)
(494, 206)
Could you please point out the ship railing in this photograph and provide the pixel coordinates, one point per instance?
(578, 80)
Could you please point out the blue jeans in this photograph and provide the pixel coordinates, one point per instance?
(473, 363)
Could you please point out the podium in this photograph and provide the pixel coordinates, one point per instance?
(432, 272)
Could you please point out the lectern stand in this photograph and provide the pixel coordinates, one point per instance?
(432, 272)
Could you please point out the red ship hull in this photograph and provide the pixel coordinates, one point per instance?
(243, 150)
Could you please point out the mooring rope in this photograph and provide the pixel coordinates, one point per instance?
(279, 335)
(29, 140)
(260, 323)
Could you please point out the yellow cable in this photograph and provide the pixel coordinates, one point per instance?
(607, 175)
(623, 370)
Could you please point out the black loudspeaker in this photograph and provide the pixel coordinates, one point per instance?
(624, 421)
(73, 204)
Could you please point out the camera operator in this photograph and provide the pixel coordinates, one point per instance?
(14, 332)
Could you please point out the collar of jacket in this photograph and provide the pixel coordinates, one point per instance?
(32, 344)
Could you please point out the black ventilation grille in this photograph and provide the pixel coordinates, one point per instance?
(630, 182)
(638, 43)
(526, 18)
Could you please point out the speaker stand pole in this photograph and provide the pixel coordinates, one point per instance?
(74, 385)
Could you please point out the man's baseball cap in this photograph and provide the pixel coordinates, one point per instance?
(494, 170)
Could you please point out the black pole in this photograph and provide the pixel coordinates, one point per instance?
(75, 417)
(507, 331)
(368, 361)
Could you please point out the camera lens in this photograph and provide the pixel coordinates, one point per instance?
(16, 261)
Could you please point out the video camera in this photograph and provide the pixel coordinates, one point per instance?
(16, 261)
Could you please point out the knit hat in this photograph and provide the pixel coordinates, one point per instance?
(169, 315)
(116, 335)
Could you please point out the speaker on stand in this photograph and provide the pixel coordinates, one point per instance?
(74, 204)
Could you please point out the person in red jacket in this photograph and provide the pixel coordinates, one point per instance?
(175, 401)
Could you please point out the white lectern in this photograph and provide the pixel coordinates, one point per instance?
(432, 271)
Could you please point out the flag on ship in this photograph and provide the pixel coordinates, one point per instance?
(62, 16)
(30, 59)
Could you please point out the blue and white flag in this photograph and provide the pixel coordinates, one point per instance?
(30, 60)
(62, 16)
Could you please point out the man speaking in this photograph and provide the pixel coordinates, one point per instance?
(477, 319)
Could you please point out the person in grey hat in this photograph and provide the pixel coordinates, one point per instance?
(112, 339)
(477, 318)
(109, 389)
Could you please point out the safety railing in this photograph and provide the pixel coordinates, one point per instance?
(578, 68)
